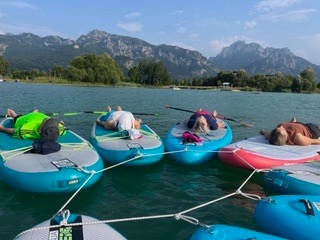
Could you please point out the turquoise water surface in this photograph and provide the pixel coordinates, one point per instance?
(163, 188)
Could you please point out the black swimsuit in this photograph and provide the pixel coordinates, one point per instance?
(314, 129)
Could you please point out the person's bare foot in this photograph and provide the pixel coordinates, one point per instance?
(262, 132)
(119, 108)
(293, 119)
(214, 113)
(108, 109)
(11, 113)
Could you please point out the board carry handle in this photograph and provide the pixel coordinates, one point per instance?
(308, 206)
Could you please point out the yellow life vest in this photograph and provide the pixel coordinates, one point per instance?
(27, 126)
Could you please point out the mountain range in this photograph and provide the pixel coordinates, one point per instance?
(255, 59)
(27, 51)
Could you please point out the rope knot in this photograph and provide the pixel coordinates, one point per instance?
(65, 214)
(187, 219)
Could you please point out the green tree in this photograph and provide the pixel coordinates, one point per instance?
(150, 73)
(75, 74)
(4, 66)
(308, 73)
(58, 72)
(95, 69)
(296, 85)
(308, 79)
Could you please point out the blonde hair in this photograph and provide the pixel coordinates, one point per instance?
(200, 125)
(276, 138)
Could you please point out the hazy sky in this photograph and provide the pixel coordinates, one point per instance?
(203, 25)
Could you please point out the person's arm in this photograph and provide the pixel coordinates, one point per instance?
(6, 130)
(137, 123)
(190, 122)
(301, 140)
(110, 124)
(221, 124)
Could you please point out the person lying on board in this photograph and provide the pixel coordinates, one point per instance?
(120, 120)
(293, 133)
(34, 125)
(204, 121)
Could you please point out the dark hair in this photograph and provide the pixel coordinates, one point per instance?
(276, 138)
(50, 129)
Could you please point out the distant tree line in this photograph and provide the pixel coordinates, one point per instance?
(305, 81)
(92, 68)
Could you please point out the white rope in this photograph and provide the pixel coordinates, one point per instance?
(92, 173)
(242, 159)
(105, 169)
(238, 191)
(75, 193)
(63, 224)
(177, 216)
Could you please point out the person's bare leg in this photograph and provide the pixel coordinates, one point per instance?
(108, 108)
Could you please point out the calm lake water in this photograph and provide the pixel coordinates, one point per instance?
(163, 188)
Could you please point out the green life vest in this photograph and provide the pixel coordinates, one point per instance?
(27, 126)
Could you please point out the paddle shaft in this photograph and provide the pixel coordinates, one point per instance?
(93, 112)
(218, 116)
(134, 113)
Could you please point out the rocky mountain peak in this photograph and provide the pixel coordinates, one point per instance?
(254, 59)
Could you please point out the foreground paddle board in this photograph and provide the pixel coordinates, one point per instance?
(223, 232)
(294, 217)
(301, 178)
(84, 228)
(62, 171)
(258, 153)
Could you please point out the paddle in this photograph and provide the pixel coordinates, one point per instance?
(94, 112)
(134, 113)
(218, 116)
(49, 114)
